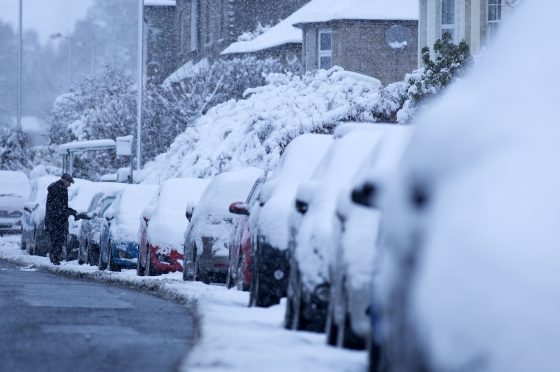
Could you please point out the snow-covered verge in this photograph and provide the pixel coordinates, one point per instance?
(230, 336)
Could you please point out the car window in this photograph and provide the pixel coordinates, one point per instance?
(105, 204)
(251, 199)
(93, 203)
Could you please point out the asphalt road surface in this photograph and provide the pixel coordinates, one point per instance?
(49, 323)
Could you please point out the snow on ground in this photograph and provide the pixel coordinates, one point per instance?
(233, 337)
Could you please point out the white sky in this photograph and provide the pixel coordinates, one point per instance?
(45, 16)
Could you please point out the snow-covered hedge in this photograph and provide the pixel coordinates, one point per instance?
(254, 131)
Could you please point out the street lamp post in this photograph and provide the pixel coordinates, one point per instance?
(140, 84)
(20, 66)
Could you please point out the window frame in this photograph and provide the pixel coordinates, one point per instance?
(450, 28)
(324, 53)
(493, 25)
(194, 26)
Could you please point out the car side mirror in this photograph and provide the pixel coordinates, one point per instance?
(365, 195)
(189, 212)
(30, 207)
(301, 206)
(240, 208)
(146, 219)
(109, 215)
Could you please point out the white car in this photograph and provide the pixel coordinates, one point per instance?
(470, 262)
(38, 195)
(14, 192)
(206, 245)
(351, 268)
(312, 223)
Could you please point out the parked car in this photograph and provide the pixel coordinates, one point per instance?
(163, 226)
(356, 227)
(38, 195)
(240, 245)
(311, 226)
(89, 238)
(470, 260)
(276, 200)
(14, 192)
(80, 197)
(41, 242)
(211, 227)
(119, 236)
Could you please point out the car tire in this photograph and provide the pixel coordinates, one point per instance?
(139, 269)
(199, 275)
(110, 264)
(100, 264)
(332, 327)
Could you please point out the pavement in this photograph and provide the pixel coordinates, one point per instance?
(51, 323)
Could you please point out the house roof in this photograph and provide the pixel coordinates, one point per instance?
(160, 2)
(318, 11)
(325, 11)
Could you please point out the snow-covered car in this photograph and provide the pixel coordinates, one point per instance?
(41, 240)
(89, 239)
(470, 262)
(311, 225)
(14, 193)
(207, 237)
(276, 201)
(120, 234)
(38, 195)
(240, 245)
(163, 226)
(356, 229)
(80, 196)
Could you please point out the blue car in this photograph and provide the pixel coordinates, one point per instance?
(119, 237)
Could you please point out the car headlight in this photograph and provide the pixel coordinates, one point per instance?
(322, 293)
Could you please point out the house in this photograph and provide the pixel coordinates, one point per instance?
(161, 54)
(475, 21)
(378, 38)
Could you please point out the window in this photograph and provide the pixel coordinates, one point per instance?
(208, 20)
(325, 49)
(448, 19)
(194, 25)
(494, 17)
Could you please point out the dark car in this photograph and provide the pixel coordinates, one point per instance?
(90, 230)
(276, 198)
(240, 246)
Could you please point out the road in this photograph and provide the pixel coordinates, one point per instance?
(50, 323)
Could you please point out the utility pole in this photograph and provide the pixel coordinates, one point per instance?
(20, 67)
(140, 84)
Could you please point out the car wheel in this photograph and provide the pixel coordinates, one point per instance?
(149, 271)
(199, 274)
(332, 327)
(100, 264)
(139, 268)
(110, 264)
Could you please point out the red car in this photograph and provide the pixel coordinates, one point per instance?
(163, 225)
(241, 247)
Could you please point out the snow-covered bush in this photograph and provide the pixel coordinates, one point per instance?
(196, 88)
(449, 62)
(255, 130)
(14, 148)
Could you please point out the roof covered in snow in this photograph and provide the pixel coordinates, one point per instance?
(335, 10)
(160, 2)
(86, 145)
(325, 11)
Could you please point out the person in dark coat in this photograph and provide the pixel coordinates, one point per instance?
(57, 213)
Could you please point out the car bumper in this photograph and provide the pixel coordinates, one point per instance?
(166, 262)
(125, 254)
(9, 224)
(273, 269)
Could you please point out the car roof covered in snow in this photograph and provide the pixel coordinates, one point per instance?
(14, 183)
(160, 2)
